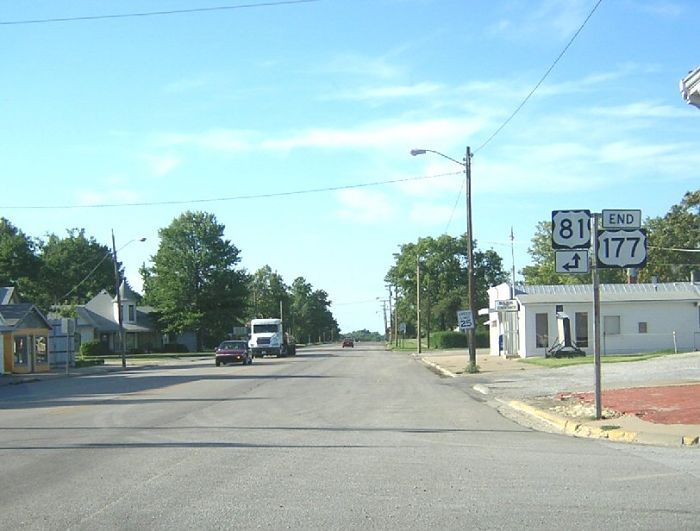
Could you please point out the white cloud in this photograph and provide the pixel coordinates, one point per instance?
(362, 66)
(433, 214)
(161, 165)
(214, 139)
(364, 206)
(532, 20)
(107, 196)
(380, 135)
(641, 109)
(387, 92)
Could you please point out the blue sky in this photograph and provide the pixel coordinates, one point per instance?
(218, 111)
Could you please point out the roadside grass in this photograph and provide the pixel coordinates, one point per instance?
(153, 357)
(554, 363)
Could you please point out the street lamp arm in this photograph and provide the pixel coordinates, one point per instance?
(415, 152)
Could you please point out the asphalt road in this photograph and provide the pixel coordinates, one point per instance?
(332, 439)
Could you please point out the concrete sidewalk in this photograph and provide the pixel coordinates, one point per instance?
(652, 402)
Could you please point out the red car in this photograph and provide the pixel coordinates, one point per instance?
(233, 350)
(348, 342)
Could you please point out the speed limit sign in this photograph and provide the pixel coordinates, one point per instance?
(571, 229)
(465, 320)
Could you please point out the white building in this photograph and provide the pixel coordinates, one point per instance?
(634, 318)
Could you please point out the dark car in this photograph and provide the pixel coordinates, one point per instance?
(233, 350)
(348, 342)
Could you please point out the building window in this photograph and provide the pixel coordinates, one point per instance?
(132, 313)
(21, 348)
(541, 330)
(611, 325)
(40, 350)
(642, 327)
(581, 329)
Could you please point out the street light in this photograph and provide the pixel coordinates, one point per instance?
(117, 283)
(466, 164)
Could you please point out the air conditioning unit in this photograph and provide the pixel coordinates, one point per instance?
(690, 88)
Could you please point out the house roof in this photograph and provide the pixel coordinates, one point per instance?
(8, 295)
(88, 317)
(21, 315)
(667, 291)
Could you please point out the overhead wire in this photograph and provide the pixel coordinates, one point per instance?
(230, 198)
(152, 13)
(529, 95)
(539, 83)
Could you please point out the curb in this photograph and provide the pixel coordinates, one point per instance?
(435, 367)
(578, 429)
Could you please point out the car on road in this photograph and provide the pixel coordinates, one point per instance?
(348, 342)
(233, 350)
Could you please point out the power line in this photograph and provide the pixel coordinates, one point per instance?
(454, 208)
(152, 13)
(522, 104)
(231, 198)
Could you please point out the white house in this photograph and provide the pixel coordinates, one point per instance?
(634, 318)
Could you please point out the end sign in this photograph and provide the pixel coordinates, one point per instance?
(621, 219)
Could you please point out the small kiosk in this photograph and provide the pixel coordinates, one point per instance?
(24, 339)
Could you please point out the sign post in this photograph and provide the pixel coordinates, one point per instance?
(621, 243)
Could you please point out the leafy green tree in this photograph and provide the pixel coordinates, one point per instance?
(73, 269)
(267, 291)
(310, 316)
(443, 280)
(19, 263)
(193, 283)
(674, 242)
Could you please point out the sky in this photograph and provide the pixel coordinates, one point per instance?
(292, 122)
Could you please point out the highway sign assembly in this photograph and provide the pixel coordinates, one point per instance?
(571, 229)
(465, 319)
(571, 261)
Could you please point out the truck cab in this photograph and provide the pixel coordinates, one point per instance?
(267, 337)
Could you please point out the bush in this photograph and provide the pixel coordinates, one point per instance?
(482, 338)
(91, 349)
(449, 339)
(177, 348)
(458, 339)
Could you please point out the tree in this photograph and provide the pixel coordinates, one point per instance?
(672, 240)
(193, 283)
(19, 264)
(267, 291)
(73, 269)
(443, 280)
(310, 317)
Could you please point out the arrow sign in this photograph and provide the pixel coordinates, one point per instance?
(571, 261)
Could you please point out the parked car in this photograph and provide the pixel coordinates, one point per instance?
(348, 342)
(233, 350)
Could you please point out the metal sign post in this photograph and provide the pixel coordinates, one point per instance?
(620, 243)
(596, 323)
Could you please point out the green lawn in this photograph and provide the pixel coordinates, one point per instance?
(565, 362)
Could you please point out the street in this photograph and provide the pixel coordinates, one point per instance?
(330, 439)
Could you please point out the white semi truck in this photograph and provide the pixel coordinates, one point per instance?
(267, 336)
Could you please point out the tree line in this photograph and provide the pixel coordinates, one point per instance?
(195, 281)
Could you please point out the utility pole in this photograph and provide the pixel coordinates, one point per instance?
(418, 303)
(470, 261)
(596, 320)
(120, 314)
